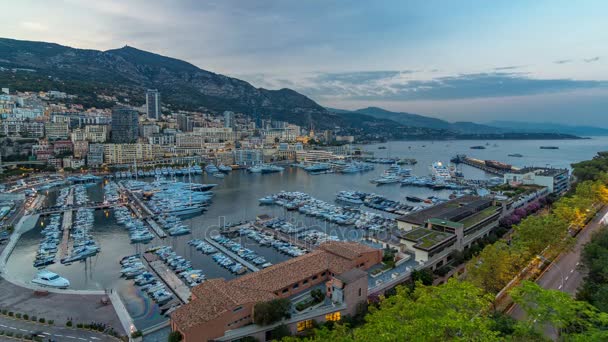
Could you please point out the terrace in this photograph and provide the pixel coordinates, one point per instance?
(479, 217)
(427, 239)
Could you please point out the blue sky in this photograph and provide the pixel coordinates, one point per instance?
(458, 60)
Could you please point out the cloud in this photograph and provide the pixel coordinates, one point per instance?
(400, 86)
(511, 67)
(591, 60)
(562, 61)
(33, 26)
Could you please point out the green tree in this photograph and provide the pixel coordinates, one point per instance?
(265, 313)
(175, 336)
(494, 267)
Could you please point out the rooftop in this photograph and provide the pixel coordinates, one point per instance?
(447, 210)
(479, 216)
(542, 171)
(351, 276)
(445, 223)
(427, 238)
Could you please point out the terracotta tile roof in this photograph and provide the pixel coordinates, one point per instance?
(349, 250)
(213, 298)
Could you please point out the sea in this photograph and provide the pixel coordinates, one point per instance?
(236, 199)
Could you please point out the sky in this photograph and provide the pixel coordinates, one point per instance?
(478, 60)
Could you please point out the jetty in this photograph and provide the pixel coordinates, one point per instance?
(232, 255)
(156, 228)
(479, 164)
(67, 225)
(166, 274)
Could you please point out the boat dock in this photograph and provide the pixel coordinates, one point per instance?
(282, 236)
(67, 225)
(477, 163)
(156, 228)
(145, 211)
(232, 255)
(169, 277)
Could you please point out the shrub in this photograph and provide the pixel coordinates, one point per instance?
(4, 312)
(51, 322)
(175, 336)
(34, 318)
(1, 332)
(279, 332)
(9, 333)
(18, 315)
(269, 312)
(136, 334)
(317, 295)
(26, 317)
(19, 336)
(68, 323)
(10, 314)
(79, 325)
(42, 320)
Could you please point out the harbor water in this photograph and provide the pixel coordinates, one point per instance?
(236, 199)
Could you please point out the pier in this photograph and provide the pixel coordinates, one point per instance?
(67, 225)
(480, 164)
(169, 277)
(158, 230)
(232, 255)
(282, 236)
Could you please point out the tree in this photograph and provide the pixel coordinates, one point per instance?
(175, 336)
(423, 276)
(265, 313)
(594, 259)
(454, 310)
(537, 232)
(494, 267)
(572, 319)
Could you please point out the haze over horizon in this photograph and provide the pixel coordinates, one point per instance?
(482, 61)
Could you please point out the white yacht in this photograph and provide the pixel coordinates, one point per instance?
(50, 279)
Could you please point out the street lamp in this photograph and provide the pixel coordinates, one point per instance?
(543, 259)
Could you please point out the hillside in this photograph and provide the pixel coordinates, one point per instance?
(417, 120)
(549, 127)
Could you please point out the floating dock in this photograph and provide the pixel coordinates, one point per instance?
(158, 230)
(67, 225)
(282, 236)
(231, 254)
(478, 163)
(169, 277)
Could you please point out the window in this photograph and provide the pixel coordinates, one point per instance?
(332, 317)
(303, 325)
(239, 308)
(314, 277)
(359, 292)
(323, 274)
(305, 282)
(295, 286)
(285, 290)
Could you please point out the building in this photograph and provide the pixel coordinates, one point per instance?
(555, 180)
(146, 130)
(127, 153)
(95, 155)
(153, 104)
(311, 156)
(184, 122)
(125, 125)
(452, 225)
(23, 128)
(214, 134)
(96, 133)
(219, 309)
(229, 119)
(345, 138)
(62, 147)
(81, 148)
(248, 157)
(56, 130)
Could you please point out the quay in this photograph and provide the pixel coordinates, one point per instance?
(232, 255)
(478, 163)
(282, 236)
(67, 225)
(168, 277)
(158, 230)
(45, 212)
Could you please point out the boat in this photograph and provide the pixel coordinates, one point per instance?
(271, 169)
(49, 279)
(211, 169)
(414, 199)
(219, 175)
(349, 197)
(440, 171)
(255, 169)
(407, 161)
(388, 179)
(517, 155)
(549, 148)
(224, 168)
(382, 147)
(318, 167)
(479, 147)
(266, 200)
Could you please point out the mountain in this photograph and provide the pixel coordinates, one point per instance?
(550, 128)
(127, 72)
(416, 120)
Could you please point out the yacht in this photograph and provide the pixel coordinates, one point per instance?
(255, 169)
(224, 168)
(219, 175)
(349, 197)
(318, 167)
(50, 279)
(267, 200)
(440, 171)
(211, 169)
(271, 168)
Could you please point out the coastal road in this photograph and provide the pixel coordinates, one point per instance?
(57, 333)
(564, 274)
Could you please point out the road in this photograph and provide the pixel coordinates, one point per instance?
(55, 332)
(564, 274)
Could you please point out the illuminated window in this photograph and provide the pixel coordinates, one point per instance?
(334, 316)
(303, 325)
